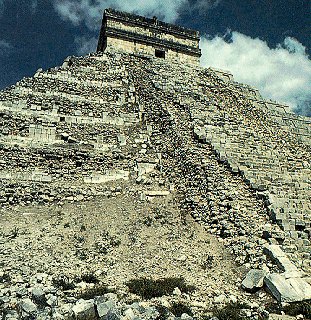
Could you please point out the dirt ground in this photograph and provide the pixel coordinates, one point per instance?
(118, 239)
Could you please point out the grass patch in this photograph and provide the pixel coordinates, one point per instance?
(5, 277)
(178, 308)
(164, 312)
(296, 308)
(149, 288)
(231, 311)
(88, 278)
(63, 282)
(90, 293)
(292, 309)
(106, 243)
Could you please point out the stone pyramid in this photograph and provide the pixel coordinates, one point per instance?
(141, 126)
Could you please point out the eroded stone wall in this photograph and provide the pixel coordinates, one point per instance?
(113, 121)
(136, 34)
(152, 33)
(132, 47)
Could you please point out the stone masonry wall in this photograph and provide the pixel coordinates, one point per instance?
(131, 47)
(136, 34)
(152, 33)
(114, 121)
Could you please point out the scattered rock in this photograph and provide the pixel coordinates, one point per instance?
(287, 290)
(38, 295)
(106, 309)
(28, 306)
(84, 310)
(254, 280)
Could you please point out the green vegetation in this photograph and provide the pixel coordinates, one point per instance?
(296, 308)
(232, 311)
(5, 277)
(106, 242)
(292, 309)
(88, 278)
(148, 288)
(163, 312)
(179, 308)
(63, 282)
(90, 293)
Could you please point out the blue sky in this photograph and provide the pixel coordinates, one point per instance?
(264, 43)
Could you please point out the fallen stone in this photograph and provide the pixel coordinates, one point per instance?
(84, 310)
(129, 314)
(286, 265)
(300, 285)
(177, 292)
(28, 306)
(156, 193)
(38, 295)
(253, 280)
(220, 299)
(51, 300)
(106, 310)
(287, 290)
(185, 316)
(276, 254)
(274, 251)
(273, 316)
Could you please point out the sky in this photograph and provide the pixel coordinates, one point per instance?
(265, 43)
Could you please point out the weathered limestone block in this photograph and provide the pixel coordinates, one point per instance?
(287, 290)
(157, 193)
(112, 175)
(121, 139)
(279, 256)
(84, 310)
(199, 133)
(28, 306)
(106, 309)
(253, 280)
(145, 168)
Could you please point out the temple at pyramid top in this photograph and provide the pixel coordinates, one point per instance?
(136, 34)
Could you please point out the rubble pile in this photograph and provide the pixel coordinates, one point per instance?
(118, 125)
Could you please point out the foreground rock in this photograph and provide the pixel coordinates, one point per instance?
(152, 142)
(254, 280)
(84, 310)
(287, 290)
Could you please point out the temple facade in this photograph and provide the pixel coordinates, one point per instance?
(136, 34)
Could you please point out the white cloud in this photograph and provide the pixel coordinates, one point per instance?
(282, 74)
(4, 44)
(5, 47)
(90, 11)
(204, 5)
(32, 5)
(85, 45)
(294, 46)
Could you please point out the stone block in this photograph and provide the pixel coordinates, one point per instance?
(84, 310)
(38, 295)
(253, 280)
(273, 316)
(300, 285)
(287, 290)
(157, 193)
(28, 306)
(274, 252)
(106, 310)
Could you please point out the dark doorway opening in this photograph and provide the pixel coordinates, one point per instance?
(160, 53)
